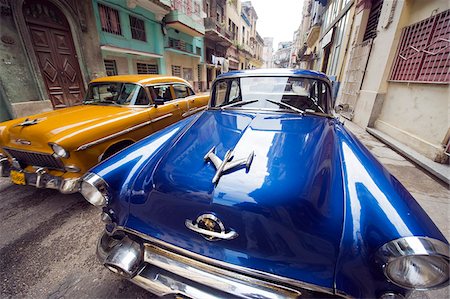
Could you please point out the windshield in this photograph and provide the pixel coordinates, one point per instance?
(294, 94)
(116, 93)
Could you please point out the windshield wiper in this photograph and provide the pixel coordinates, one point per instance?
(286, 106)
(241, 103)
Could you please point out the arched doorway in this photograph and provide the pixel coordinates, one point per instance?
(55, 52)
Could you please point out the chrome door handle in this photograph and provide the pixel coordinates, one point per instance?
(225, 236)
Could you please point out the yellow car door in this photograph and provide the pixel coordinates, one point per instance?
(166, 110)
(189, 102)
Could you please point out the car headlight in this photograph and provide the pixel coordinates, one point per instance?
(94, 189)
(416, 262)
(59, 150)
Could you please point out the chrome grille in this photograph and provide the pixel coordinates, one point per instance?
(35, 159)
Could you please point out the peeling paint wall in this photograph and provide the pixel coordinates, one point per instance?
(15, 73)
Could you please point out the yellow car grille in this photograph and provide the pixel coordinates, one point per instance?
(35, 159)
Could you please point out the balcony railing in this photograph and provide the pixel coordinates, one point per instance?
(212, 24)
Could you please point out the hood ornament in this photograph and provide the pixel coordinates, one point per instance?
(227, 164)
(29, 122)
(23, 141)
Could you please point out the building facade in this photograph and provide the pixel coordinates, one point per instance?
(397, 80)
(183, 41)
(49, 51)
(268, 52)
(55, 47)
(282, 56)
(130, 36)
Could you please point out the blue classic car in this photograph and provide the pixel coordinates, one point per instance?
(263, 195)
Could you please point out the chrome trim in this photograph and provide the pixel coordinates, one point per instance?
(242, 270)
(4, 166)
(58, 159)
(39, 173)
(66, 155)
(227, 163)
(97, 182)
(209, 234)
(193, 111)
(391, 295)
(183, 275)
(112, 136)
(412, 246)
(72, 168)
(125, 258)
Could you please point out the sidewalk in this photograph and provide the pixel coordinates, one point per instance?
(432, 195)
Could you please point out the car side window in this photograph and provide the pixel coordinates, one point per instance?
(142, 98)
(181, 91)
(235, 92)
(162, 92)
(220, 93)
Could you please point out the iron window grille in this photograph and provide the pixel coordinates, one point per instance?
(423, 54)
(109, 19)
(176, 70)
(111, 67)
(180, 45)
(137, 27)
(372, 22)
(145, 68)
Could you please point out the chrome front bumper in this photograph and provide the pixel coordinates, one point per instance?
(164, 272)
(41, 179)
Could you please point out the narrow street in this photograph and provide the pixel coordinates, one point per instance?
(48, 239)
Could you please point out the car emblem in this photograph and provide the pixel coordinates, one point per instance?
(227, 164)
(210, 227)
(29, 122)
(23, 141)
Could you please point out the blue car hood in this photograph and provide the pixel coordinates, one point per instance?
(287, 207)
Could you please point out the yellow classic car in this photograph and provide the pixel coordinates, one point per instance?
(54, 149)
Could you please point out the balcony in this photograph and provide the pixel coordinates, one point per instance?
(313, 35)
(182, 47)
(183, 18)
(217, 32)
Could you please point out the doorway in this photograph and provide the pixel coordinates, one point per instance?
(55, 52)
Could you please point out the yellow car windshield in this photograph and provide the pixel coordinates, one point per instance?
(114, 93)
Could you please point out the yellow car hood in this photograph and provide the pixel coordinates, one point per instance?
(69, 127)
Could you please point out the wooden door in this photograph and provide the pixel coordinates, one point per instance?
(55, 51)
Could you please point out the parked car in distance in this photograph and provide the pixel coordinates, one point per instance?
(264, 195)
(54, 149)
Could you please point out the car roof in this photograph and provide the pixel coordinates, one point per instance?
(275, 72)
(141, 79)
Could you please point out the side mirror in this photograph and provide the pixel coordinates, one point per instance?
(338, 108)
(158, 102)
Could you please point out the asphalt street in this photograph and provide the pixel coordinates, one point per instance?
(47, 240)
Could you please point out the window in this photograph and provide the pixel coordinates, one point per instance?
(115, 93)
(137, 29)
(142, 98)
(181, 91)
(372, 22)
(111, 68)
(220, 93)
(162, 92)
(423, 53)
(272, 93)
(188, 74)
(109, 19)
(180, 45)
(176, 70)
(144, 68)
